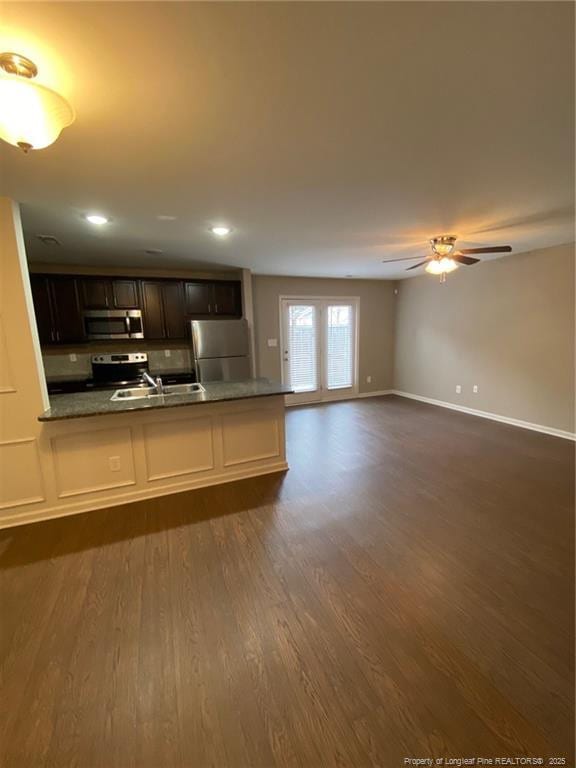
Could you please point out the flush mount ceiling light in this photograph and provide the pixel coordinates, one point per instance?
(31, 115)
(96, 218)
(220, 230)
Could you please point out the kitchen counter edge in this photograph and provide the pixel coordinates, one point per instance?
(86, 404)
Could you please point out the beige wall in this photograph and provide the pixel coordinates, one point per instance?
(376, 344)
(505, 325)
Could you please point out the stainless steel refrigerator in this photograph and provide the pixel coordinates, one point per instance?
(221, 350)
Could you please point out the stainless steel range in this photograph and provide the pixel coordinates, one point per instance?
(120, 370)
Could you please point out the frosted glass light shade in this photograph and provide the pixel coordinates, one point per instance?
(441, 266)
(31, 116)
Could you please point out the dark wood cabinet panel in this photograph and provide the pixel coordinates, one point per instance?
(227, 299)
(108, 293)
(174, 315)
(199, 298)
(42, 308)
(95, 293)
(57, 309)
(66, 310)
(125, 294)
(153, 314)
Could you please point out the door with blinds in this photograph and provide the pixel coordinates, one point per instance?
(319, 348)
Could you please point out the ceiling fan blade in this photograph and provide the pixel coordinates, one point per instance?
(488, 249)
(406, 258)
(461, 259)
(415, 266)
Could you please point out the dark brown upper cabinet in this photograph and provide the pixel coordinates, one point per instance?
(220, 298)
(107, 293)
(164, 316)
(199, 298)
(228, 299)
(57, 308)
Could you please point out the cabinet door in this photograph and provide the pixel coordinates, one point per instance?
(173, 301)
(227, 299)
(153, 314)
(125, 294)
(42, 308)
(66, 310)
(199, 298)
(96, 293)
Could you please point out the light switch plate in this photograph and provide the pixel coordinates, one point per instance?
(272, 342)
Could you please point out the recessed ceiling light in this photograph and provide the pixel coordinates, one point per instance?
(165, 217)
(96, 218)
(220, 230)
(153, 251)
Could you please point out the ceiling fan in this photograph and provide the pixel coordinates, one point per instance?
(444, 259)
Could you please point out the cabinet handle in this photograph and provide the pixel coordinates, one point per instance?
(57, 335)
(209, 309)
(51, 335)
(216, 308)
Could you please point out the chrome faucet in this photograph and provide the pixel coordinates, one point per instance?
(157, 383)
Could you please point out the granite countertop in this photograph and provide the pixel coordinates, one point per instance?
(82, 404)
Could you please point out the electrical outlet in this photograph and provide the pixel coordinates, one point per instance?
(72, 357)
(475, 389)
(114, 463)
(458, 389)
(167, 353)
(368, 379)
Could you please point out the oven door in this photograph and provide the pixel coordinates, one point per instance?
(113, 324)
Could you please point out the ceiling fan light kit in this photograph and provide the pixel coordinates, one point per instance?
(443, 260)
(31, 115)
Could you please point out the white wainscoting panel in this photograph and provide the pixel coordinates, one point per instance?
(86, 462)
(178, 447)
(20, 473)
(250, 436)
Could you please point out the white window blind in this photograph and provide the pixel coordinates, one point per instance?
(302, 343)
(339, 347)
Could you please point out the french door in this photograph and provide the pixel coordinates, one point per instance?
(319, 359)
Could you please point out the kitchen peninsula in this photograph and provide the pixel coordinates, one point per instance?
(70, 453)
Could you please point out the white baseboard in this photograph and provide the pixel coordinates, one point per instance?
(353, 396)
(378, 393)
(487, 415)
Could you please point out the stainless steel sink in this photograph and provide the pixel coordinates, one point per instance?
(182, 389)
(139, 393)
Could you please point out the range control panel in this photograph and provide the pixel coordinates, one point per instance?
(129, 357)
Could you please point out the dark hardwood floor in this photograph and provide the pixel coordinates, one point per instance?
(405, 590)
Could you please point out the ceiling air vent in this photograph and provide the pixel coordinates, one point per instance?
(49, 240)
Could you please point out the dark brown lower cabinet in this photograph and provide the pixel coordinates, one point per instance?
(163, 309)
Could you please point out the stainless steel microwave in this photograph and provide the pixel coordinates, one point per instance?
(113, 324)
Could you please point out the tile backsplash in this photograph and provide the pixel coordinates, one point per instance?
(61, 365)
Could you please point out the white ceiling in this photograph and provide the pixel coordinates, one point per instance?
(329, 135)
